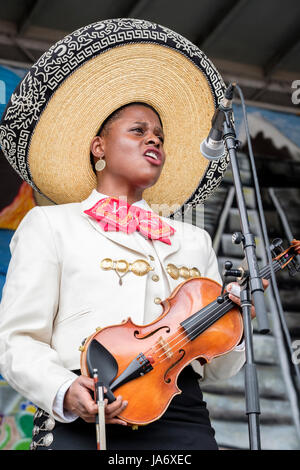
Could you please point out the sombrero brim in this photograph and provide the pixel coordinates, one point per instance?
(65, 102)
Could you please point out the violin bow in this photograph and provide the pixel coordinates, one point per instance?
(100, 418)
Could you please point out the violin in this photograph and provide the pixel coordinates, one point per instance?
(142, 362)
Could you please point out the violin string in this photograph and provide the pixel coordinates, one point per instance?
(205, 319)
(188, 338)
(264, 272)
(212, 317)
(227, 302)
(216, 315)
(182, 333)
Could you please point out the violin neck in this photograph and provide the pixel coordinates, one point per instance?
(207, 316)
(265, 272)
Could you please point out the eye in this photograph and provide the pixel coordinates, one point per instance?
(138, 129)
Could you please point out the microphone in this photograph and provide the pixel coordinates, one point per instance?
(213, 147)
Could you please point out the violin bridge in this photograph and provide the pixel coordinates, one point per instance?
(165, 346)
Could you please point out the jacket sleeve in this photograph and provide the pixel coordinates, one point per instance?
(228, 364)
(27, 310)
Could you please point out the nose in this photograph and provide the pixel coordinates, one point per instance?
(152, 139)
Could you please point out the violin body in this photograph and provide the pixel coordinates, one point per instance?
(167, 346)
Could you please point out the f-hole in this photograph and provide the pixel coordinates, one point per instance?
(136, 333)
(168, 380)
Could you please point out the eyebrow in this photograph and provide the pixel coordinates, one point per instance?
(143, 123)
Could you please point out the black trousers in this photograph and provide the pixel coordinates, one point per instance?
(184, 426)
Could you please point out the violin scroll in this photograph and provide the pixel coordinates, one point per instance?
(286, 257)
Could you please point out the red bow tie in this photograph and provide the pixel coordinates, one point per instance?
(116, 215)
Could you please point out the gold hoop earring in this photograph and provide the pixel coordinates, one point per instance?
(100, 165)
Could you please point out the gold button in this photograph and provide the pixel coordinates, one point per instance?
(184, 272)
(173, 271)
(194, 272)
(157, 300)
(151, 257)
(155, 277)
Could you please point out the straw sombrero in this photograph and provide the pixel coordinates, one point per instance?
(58, 107)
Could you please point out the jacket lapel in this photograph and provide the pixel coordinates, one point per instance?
(163, 249)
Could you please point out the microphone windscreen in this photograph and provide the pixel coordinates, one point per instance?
(213, 151)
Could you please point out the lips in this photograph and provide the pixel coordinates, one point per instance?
(153, 155)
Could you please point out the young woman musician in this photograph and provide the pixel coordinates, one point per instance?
(58, 289)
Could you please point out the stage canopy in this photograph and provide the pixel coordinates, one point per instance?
(254, 42)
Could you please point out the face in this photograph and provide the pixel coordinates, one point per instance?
(132, 148)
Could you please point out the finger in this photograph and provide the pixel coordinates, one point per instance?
(117, 421)
(111, 407)
(86, 382)
(114, 417)
(85, 400)
(109, 418)
(116, 411)
(87, 413)
(88, 418)
(265, 283)
(235, 299)
(91, 408)
(253, 312)
(234, 288)
(78, 399)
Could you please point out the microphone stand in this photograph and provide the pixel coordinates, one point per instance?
(251, 286)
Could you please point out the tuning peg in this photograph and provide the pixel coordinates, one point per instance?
(237, 238)
(228, 265)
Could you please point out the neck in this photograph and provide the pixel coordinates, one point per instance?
(131, 195)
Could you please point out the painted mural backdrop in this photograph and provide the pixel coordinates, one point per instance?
(17, 198)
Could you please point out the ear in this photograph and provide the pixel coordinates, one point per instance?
(97, 146)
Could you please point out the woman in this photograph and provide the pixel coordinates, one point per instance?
(126, 144)
(59, 287)
(125, 139)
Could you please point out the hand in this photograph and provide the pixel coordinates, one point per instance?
(233, 288)
(79, 401)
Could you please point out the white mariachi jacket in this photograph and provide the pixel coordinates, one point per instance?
(56, 292)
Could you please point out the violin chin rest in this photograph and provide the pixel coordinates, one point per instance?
(98, 357)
